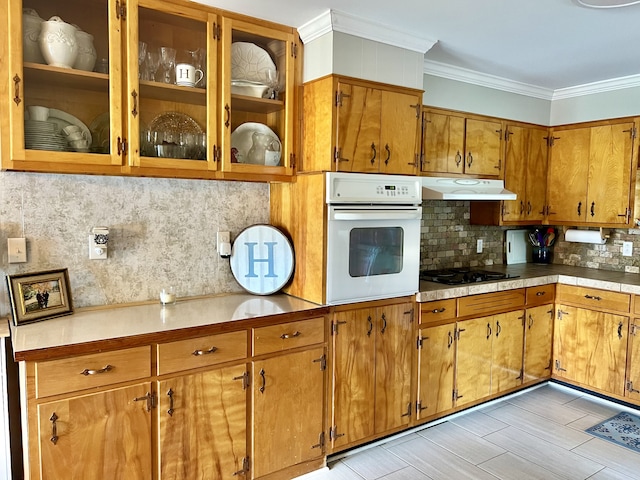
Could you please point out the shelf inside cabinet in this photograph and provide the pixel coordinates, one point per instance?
(172, 93)
(66, 77)
(254, 104)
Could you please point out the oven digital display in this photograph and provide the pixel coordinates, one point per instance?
(389, 187)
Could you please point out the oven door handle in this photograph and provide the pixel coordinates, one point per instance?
(409, 214)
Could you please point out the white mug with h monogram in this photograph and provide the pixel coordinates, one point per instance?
(187, 75)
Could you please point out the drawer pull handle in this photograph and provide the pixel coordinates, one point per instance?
(438, 310)
(86, 372)
(264, 380)
(284, 336)
(197, 353)
(539, 294)
(170, 395)
(592, 297)
(384, 323)
(54, 428)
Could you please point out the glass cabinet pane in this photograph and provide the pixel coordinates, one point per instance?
(173, 81)
(68, 94)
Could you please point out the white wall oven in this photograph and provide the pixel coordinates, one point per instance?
(373, 236)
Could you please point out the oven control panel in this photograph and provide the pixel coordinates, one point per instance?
(345, 187)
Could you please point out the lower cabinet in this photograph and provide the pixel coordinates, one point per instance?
(633, 362)
(489, 356)
(372, 355)
(538, 335)
(96, 436)
(202, 424)
(590, 348)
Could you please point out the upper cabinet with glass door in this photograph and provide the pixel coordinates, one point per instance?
(172, 85)
(64, 95)
(258, 97)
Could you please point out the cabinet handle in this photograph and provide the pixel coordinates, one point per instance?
(592, 297)
(559, 368)
(373, 159)
(458, 158)
(264, 380)
(86, 372)
(593, 209)
(521, 207)
(438, 310)
(386, 147)
(408, 412)
(134, 112)
(54, 428)
(620, 330)
(498, 329)
(16, 89)
(540, 294)
(579, 208)
(197, 353)
(149, 398)
(450, 340)
(469, 160)
(630, 387)
(384, 323)
(370, 326)
(170, 395)
(530, 321)
(529, 208)
(488, 330)
(227, 119)
(284, 336)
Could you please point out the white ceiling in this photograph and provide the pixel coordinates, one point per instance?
(551, 44)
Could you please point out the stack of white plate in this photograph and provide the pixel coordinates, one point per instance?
(39, 135)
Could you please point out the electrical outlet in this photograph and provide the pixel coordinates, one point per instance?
(224, 243)
(479, 245)
(627, 249)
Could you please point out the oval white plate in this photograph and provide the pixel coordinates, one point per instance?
(250, 62)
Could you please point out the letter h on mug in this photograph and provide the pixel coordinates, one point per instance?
(187, 75)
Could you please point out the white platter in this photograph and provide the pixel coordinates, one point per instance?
(250, 62)
(267, 151)
(63, 119)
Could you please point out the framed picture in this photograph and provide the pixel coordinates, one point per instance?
(39, 295)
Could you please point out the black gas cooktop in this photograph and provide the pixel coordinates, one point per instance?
(458, 276)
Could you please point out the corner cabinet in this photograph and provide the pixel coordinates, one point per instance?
(140, 125)
(352, 125)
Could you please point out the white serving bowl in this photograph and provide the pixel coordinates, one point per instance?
(249, 89)
(58, 43)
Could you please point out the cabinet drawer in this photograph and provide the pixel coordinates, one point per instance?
(55, 377)
(201, 352)
(541, 294)
(277, 338)
(488, 303)
(437, 311)
(593, 299)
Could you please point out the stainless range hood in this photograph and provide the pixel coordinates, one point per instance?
(438, 188)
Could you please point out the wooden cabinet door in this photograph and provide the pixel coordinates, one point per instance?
(473, 360)
(443, 143)
(358, 129)
(353, 376)
(507, 351)
(399, 133)
(567, 178)
(436, 355)
(633, 362)
(483, 148)
(202, 424)
(515, 174)
(536, 191)
(394, 334)
(538, 333)
(97, 436)
(610, 159)
(288, 406)
(565, 343)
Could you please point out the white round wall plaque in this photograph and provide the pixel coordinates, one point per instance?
(262, 259)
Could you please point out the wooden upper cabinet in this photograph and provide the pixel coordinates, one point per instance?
(353, 125)
(453, 143)
(590, 174)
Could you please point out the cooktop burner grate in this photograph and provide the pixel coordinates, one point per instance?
(458, 276)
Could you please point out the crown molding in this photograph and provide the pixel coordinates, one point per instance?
(610, 85)
(485, 80)
(334, 21)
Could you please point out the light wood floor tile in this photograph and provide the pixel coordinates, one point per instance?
(408, 473)
(541, 427)
(620, 459)
(594, 406)
(510, 467)
(398, 440)
(609, 474)
(558, 460)
(587, 421)
(479, 423)
(438, 463)
(472, 448)
(559, 413)
(554, 393)
(374, 463)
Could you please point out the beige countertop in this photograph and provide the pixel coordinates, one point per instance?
(531, 275)
(104, 324)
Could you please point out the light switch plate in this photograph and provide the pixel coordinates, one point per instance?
(17, 248)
